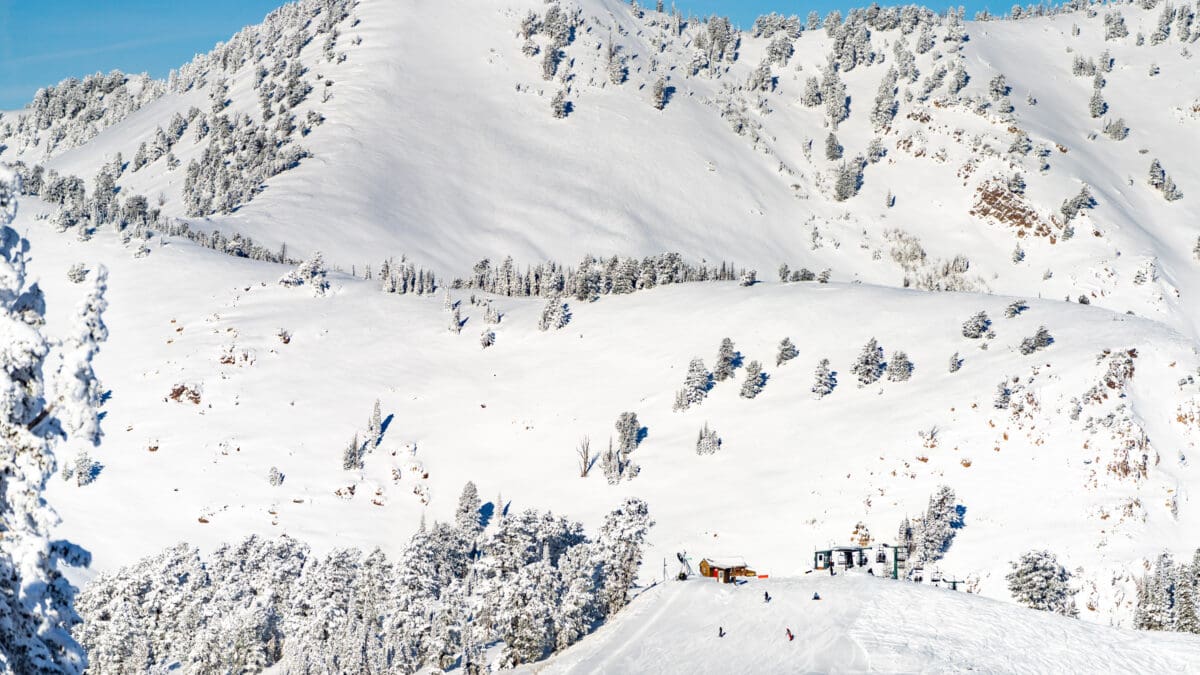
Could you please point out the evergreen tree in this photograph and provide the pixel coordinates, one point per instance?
(825, 380)
(955, 362)
(558, 105)
(1040, 340)
(869, 365)
(1003, 394)
(697, 383)
(619, 548)
(375, 427)
(36, 602)
(726, 361)
(1039, 582)
(1096, 105)
(787, 352)
(658, 94)
(811, 97)
(1187, 588)
(610, 464)
(977, 326)
(466, 517)
(79, 393)
(629, 432)
(707, 442)
(833, 149)
(352, 455)
(899, 368)
(755, 379)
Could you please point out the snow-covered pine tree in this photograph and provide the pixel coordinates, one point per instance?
(955, 362)
(1157, 599)
(755, 379)
(456, 321)
(940, 523)
(659, 94)
(619, 550)
(869, 365)
(977, 326)
(833, 148)
(275, 477)
(726, 361)
(375, 427)
(1096, 105)
(558, 105)
(610, 464)
(811, 97)
(352, 455)
(1038, 581)
(1039, 340)
(707, 442)
(36, 602)
(1003, 395)
(487, 338)
(824, 380)
(884, 110)
(79, 394)
(311, 272)
(629, 433)
(899, 367)
(466, 516)
(787, 352)
(1187, 590)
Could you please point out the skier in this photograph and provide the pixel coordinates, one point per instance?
(789, 635)
(831, 571)
(816, 596)
(720, 631)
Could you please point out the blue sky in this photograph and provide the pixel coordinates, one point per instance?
(44, 41)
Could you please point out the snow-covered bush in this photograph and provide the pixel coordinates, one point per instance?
(977, 326)
(311, 273)
(1038, 581)
(1039, 340)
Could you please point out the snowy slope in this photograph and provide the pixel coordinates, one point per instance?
(438, 143)
(445, 150)
(860, 624)
(793, 473)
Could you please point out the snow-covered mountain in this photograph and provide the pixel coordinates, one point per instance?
(911, 171)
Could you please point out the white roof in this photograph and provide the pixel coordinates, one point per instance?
(727, 561)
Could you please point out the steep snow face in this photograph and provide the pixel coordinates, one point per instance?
(859, 625)
(439, 143)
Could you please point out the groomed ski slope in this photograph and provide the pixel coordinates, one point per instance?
(860, 624)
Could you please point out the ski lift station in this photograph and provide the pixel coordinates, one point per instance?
(881, 560)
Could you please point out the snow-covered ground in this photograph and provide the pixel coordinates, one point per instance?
(439, 144)
(793, 472)
(860, 624)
